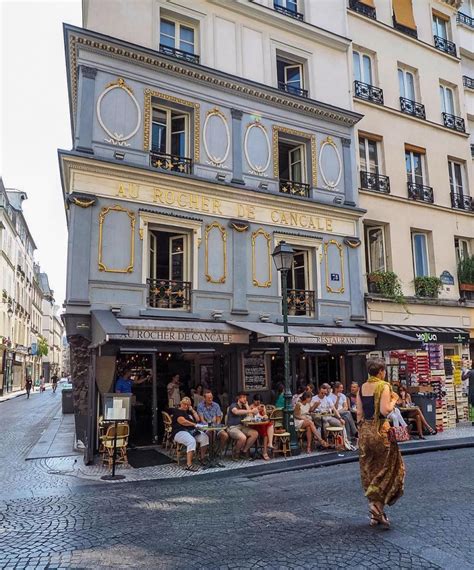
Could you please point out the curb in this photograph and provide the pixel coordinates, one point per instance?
(16, 394)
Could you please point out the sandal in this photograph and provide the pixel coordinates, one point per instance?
(266, 457)
(191, 468)
(323, 443)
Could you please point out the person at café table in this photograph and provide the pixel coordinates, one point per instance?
(320, 403)
(184, 430)
(340, 403)
(264, 431)
(303, 420)
(352, 396)
(405, 401)
(244, 435)
(210, 412)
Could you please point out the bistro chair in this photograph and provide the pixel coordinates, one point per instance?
(335, 437)
(277, 417)
(167, 422)
(282, 443)
(107, 440)
(269, 409)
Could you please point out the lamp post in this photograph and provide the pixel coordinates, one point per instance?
(283, 258)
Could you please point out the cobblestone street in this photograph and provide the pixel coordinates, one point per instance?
(314, 518)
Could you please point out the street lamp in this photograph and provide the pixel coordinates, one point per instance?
(283, 258)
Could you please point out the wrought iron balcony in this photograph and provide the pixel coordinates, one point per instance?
(405, 30)
(300, 302)
(171, 162)
(412, 108)
(363, 9)
(420, 193)
(294, 188)
(465, 19)
(468, 81)
(169, 294)
(462, 202)
(453, 122)
(368, 92)
(179, 54)
(445, 45)
(375, 182)
(288, 11)
(292, 89)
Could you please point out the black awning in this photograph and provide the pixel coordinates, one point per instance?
(105, 323)
(391, 339)
(446, 335)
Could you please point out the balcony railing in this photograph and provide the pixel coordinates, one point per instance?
(420, 193)
(368, 92)
(412, 108)
(169, 294)
(468, 81)
(288, 11)
(294, 188)
(465, 19)
(462, 202)
(171, 162)
(179, 54)
(404, 29)
(375, 182)
(363, 9)
(453, 122)
(445, 45)
(292, 89)
(300, 302)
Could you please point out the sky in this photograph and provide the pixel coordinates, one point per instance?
(34, 120)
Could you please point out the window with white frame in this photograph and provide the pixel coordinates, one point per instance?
(362, 64)
(421, 264)
(375, 248)
(292, 161)
(169, 131)
(290, 75)
(456, 177)
(447, 99)
(463, 249)
(406, 83)
(415, 167)
(440, 27)
(177, 36)
(301, 299)
(290, 5)
(368, 155)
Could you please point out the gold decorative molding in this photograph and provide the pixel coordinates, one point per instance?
(82, 203)
(239, 226)
(120, 82)
(103, 214)
(340, 249)
(314, 159)
(267, 237)
(149, 94)
(223, 232)
(330, 184)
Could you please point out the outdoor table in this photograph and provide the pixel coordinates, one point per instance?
(256, 424)
(212, 431)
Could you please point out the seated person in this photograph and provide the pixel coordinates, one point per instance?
(244, 435)
(320, 403)
(405, 401)
(210, 412)
(280, 399)
(184, 431)
(352, 396)
(303, 420)
(340, 403)
(299, 392)
(265, 431)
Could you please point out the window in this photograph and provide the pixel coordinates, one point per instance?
(292, 161)
(403, 19)
(169, 136)
(175, 35)
(368, 155)
(406, 82)
(414, 163)
(447, 99)
(290, 77)
(455, 177)
(375, 248)
(300, 298)
(420, 254)
(440, 27)
(362, 67)
(289, 7)
(462, 247)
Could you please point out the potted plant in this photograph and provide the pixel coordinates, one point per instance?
(466, 273)
(427, 287)
(387, 284)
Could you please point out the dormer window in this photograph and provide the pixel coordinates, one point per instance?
(178, 39)
(290, 77)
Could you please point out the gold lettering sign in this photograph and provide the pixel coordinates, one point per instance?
(166, 335)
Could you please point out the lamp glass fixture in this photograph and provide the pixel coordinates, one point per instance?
(283, 256)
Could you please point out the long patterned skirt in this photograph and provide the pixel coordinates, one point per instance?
(381, 465)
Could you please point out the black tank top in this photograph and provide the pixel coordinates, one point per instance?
(368, 406)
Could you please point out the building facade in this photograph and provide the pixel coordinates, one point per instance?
(414, 162)
(202, 138)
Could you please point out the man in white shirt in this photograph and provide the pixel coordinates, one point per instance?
(321, 403)
(341, 404)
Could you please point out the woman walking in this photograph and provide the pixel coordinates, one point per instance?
(381, 465)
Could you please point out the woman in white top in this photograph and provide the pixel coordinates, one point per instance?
(303, 421)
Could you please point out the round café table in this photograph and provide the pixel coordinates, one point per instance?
(256, 425)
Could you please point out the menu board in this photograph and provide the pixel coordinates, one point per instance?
(254, 372)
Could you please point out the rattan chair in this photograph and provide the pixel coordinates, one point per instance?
(107, 440)
(167, 422)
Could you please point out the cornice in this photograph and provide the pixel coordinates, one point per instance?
(79, 38)
(71, 162)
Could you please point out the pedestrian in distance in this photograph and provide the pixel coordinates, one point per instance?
(42, 384)
(54, 380)
(28, 386)
(381, 465)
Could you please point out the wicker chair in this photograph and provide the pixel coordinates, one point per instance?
(167, 422)
(107, 441)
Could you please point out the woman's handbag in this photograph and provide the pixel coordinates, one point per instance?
(398, 434)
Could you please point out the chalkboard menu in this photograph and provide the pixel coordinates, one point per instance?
(254, 372)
